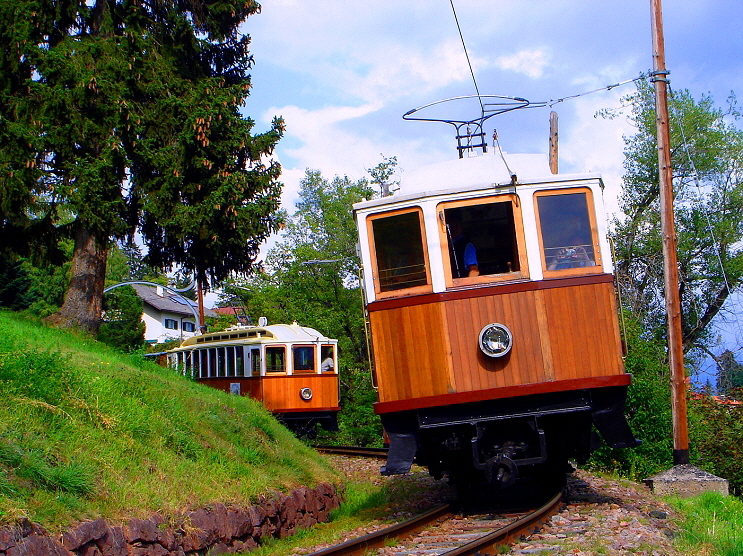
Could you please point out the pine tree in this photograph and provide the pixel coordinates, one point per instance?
(126, 113)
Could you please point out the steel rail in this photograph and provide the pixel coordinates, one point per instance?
(505, 535)
(379, 453)
(525, 525)
(378, 539)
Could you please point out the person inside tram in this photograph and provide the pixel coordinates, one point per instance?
(574, 255)
(462, 252)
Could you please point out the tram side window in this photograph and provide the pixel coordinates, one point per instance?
(565, 226)
(398, 244)
(481, 239)
(204, 356)
(303, 358)
(275, 359)
(327, 359)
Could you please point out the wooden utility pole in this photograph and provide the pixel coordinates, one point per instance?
(553, 142)
(668, 231)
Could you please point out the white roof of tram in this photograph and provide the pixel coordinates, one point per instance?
(272, 333)
(473, 173)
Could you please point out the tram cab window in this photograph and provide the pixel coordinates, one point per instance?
(400, 256)
(482, 239)
(327, 359)
(303, 359)
(567, 232)
(276, 359)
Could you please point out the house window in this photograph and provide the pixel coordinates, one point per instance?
(188, 326)
(171, 324)
(400, 256)
(567, 232)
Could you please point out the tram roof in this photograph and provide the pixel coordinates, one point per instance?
(287, 333)
(481, 172)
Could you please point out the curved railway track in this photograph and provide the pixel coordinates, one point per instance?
(478, 535)
(378, 453)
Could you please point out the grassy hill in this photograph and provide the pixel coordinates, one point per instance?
(87, 432)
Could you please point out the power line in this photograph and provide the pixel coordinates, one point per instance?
(461, 36)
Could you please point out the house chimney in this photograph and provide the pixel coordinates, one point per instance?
(159, 290)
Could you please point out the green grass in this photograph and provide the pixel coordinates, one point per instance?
(86, 432)
(712, 524)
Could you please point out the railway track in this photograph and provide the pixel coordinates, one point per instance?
(442, 531)
(377, 453)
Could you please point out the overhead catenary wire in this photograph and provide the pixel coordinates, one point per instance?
(461, 36)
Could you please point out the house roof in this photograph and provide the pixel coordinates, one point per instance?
(168, 302)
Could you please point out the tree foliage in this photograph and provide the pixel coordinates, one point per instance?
(126, 114)
(311, 276)
(706, 154)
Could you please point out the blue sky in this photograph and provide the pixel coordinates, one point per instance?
(343, 72)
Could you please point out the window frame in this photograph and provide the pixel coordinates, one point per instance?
(521, 274)
(425, 288)
(270, 371)
(313, 370)
(167, 320)
(598, 268)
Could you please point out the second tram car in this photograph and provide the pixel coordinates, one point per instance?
(291, 369)
(493, 317)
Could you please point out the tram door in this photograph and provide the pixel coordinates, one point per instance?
(255, 362)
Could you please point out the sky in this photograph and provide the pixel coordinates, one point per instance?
(343, 72)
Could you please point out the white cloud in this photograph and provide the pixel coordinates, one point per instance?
(529, 62)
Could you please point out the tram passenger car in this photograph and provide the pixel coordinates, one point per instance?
(291, 369)
(509, 368)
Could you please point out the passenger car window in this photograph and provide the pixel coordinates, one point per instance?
(399, 251)
(567, 234)
(482, 240)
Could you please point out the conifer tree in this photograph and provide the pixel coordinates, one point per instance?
(126, 113)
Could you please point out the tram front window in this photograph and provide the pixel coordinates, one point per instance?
(275, 360)
(566, 232)
(482, 239)
(303, 359)
(398, 247)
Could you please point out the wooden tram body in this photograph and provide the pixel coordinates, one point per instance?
(445, 401)
(292, 370)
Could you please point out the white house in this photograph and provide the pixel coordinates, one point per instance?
(167, 316)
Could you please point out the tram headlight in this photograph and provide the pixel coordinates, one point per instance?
(306, 394)
(495, 340)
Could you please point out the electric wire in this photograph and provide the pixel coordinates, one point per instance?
(461, 36)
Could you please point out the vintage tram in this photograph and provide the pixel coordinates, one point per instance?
(494, 327)
(291, 369)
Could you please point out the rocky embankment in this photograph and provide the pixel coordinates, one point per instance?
(216, 530)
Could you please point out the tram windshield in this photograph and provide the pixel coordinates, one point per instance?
(481, 238)
(398, 247)
(566, 231)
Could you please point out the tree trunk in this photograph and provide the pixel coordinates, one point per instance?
(84, 298)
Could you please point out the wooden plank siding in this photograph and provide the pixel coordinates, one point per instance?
(559, 334)
(281, 393)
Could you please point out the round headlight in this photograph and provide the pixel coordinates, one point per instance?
(306, 394)
(495, 340)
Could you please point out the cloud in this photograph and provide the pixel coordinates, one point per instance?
(529, 62)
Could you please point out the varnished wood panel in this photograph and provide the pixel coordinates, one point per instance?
(567, 333)
(410, 352)
(282, 393)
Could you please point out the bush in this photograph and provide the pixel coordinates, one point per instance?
(648, 410)
(716, 434)
(122, 326)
